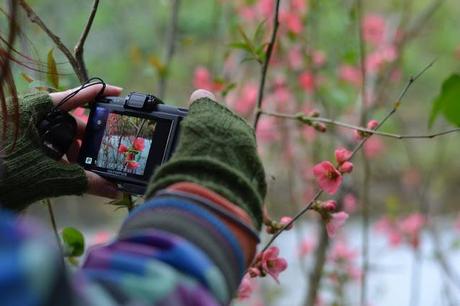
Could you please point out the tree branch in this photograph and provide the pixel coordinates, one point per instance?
(353, 153)
(78, 50)
(303, 117)
(34, 18)
(268, 56)
(170, 47)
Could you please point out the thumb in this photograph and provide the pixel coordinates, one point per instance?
(201, 93)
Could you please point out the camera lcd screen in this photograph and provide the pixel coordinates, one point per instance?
(126, 144)
(123, 144)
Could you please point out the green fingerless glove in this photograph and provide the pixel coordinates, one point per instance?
(27, 174)
(217, 149)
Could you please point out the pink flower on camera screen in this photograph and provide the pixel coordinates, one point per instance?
(271, 263)
(336, 221)
(139, 144)
(122, 149)
(132, 164)
(328, 177)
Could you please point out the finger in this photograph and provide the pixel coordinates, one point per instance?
(201, 93)
(99, 186)
(72, 153)
(81, 126)
(85, 95)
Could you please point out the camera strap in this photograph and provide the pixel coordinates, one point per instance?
(57, 130)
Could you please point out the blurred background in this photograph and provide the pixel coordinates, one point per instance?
(400, 245)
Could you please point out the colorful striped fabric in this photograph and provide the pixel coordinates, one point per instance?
(170, 251)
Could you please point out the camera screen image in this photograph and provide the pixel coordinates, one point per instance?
(125, 144)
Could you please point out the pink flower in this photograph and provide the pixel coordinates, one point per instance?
(413, 224)
(139, 144)
(132, 164)
(247, 99)
(306, 246)
(336, 221)
(350, 74)
(292, 21)
(295, 57)
(372, 124)
(328, 177)
(380, 57)
(373, 147)
(285, 220)
(271, 263)
(267, 131)
(306, 81)
(373, 29)
(346, 167)
(202, 78)
(330, 205)
(319, 58)
(342, 252)
(349, 203)
(299, 6)
(122, 148)
(246, 288)
(342, 155)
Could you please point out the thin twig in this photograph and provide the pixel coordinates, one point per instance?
(34, 18)
(355, 127)
(266, 63)
(355, 150)
(170, 47)
(316, 274)
(53, 223)
(78, 50)
(366, 166)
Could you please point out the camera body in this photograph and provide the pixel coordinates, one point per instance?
(127, 138)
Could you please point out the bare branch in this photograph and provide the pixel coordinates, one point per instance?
(56, 39)
(358, 128)
(268, 56)
(78, 50)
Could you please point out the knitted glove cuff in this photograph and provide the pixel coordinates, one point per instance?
(217, 149)
(28, 174)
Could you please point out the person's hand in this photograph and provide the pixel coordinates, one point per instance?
(96, 184)
(27, 174)
(216, 150)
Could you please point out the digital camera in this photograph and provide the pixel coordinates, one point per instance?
(126, 138)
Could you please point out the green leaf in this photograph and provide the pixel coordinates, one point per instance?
(27, 78)
(259, 33)
(53, 76)
(229, 87)
(448, 101)
(73, 242)
(240, 45)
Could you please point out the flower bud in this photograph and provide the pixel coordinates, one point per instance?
(346, 167)
(320, 127)
(372, 124)
(342, 155)
(284, 221)
(330, 205)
